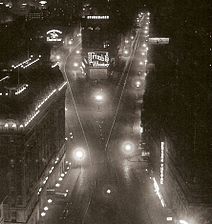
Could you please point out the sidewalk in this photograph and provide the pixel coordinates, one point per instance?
(68, 181)
(156, 214)
(59, 201)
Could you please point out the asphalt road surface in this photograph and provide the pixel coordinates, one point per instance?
(111, 184)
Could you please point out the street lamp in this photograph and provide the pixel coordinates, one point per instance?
(58, 57)
(76, 64)
(49, 201)
(79, 154)
(45, 208)
(43, 214)
(57, 185)
(138, 84)
(70, 42)
(128, 148)
(108, 191)
(99, 98)
(126, 52)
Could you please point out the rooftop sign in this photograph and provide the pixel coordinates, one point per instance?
(54, 36)
(158, 40)
(98, 17)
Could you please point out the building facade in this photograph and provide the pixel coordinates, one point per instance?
(177, 105)
(32, 135)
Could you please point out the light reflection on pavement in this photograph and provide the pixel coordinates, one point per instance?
(114, 188)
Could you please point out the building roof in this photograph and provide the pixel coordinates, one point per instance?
(23, 91)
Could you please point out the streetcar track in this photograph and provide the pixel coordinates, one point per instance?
(123, 78)
(125, 75)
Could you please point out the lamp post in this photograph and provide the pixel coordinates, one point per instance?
(99, 99)
(79, 155)
(128, 148)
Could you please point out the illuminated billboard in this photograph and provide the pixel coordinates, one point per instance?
(97, 17)
(158, 40)
(54, 36)
(98, 59)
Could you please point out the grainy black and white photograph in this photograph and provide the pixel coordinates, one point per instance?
(105, 112)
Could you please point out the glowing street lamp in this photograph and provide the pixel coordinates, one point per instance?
(58, 57)
(46, 208)
(126, 52)
(57, 185)
(43, 214)
(99, 98)
(76, 64)
(70, 42)
(138, 84)
(108, 191)
(79, 154)
(49, 200)
(128, 148)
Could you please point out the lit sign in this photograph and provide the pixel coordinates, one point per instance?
(98, 17)
(54, 36)
(162, 156)
(98, 59)
(160, 40)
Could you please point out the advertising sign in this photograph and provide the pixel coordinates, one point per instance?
(54, 36)
(98, 59)
(160, 40)
(98, 17)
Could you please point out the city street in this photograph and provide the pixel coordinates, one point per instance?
(104, 112)
(112, 185)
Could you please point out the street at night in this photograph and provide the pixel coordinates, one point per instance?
(104, 112)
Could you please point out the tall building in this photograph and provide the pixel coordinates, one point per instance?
(176, 108)
(32, 133)
(96, 54)
(99, 55)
